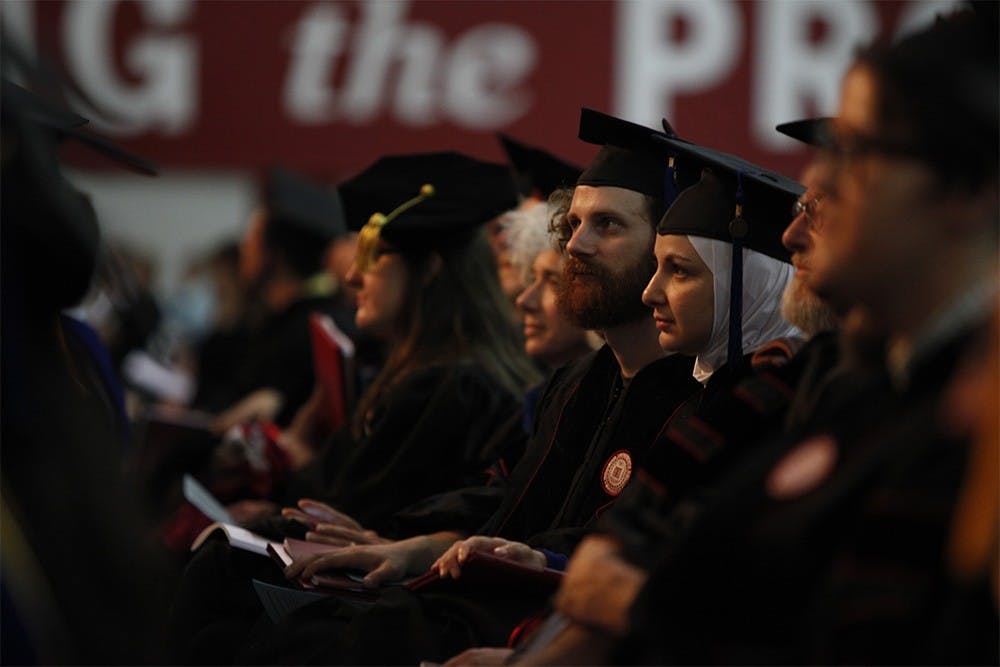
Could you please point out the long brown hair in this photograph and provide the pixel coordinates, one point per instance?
(453, 310)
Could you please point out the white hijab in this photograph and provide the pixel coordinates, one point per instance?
(764, 281)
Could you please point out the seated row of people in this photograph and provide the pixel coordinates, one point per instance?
(753, 465)
(701, 425)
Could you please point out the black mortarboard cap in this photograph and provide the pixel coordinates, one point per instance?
(601, 128)
(760, 201)
(757, 177)
(703, 209)
(425, 200)
(297, 203)
(725, 197)
(812, 131)
(629, 158)
(536, 171)
(622, 168)
(65, 124)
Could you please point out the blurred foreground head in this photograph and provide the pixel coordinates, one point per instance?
(911, 213)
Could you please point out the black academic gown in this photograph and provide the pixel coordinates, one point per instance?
(80, 581)
(587, 415)
(439, 429)
(713, 431)
(797, 561)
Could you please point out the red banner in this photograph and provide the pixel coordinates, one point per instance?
(327, 87)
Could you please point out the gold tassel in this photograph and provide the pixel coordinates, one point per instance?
(369, 235)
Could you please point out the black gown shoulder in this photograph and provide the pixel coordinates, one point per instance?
(826, 546)
(435, 431)
(591, 433)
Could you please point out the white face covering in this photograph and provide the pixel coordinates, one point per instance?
(764, 281)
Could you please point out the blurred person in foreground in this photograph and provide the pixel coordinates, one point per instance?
(835, 536)
(79, 581)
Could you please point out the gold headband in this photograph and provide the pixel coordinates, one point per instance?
(369, 235)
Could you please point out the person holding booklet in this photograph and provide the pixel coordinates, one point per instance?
(449, 384)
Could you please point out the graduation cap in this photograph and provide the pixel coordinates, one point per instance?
(629, 157)
(759, 201)
(297, 203)
(65, 124)
(425, 201)
(727, 198)
(601, 128)
(812, 131)
(536, 171)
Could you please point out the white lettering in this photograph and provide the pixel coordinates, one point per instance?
(486, 67)
(477, 81)
(652, 68)
(794, 78)
(166, 65)
(419, 85)
(316, 45)
(373, 48)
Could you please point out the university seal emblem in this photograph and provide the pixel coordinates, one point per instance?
(617, 472)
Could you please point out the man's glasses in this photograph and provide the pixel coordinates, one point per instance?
(809, 207)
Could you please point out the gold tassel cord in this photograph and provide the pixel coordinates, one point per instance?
(369, 235)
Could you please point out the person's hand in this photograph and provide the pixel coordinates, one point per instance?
(341, 536)
(383, 562)
(245, 512)
(450, 564)
(312, 513)
(260, 405)
(599, 586)
(480, 656)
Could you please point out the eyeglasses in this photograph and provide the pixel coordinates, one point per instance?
(809, 207)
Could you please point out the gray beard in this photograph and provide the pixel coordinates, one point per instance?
(805, 309)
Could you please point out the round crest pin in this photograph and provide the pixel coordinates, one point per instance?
(617, 472)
